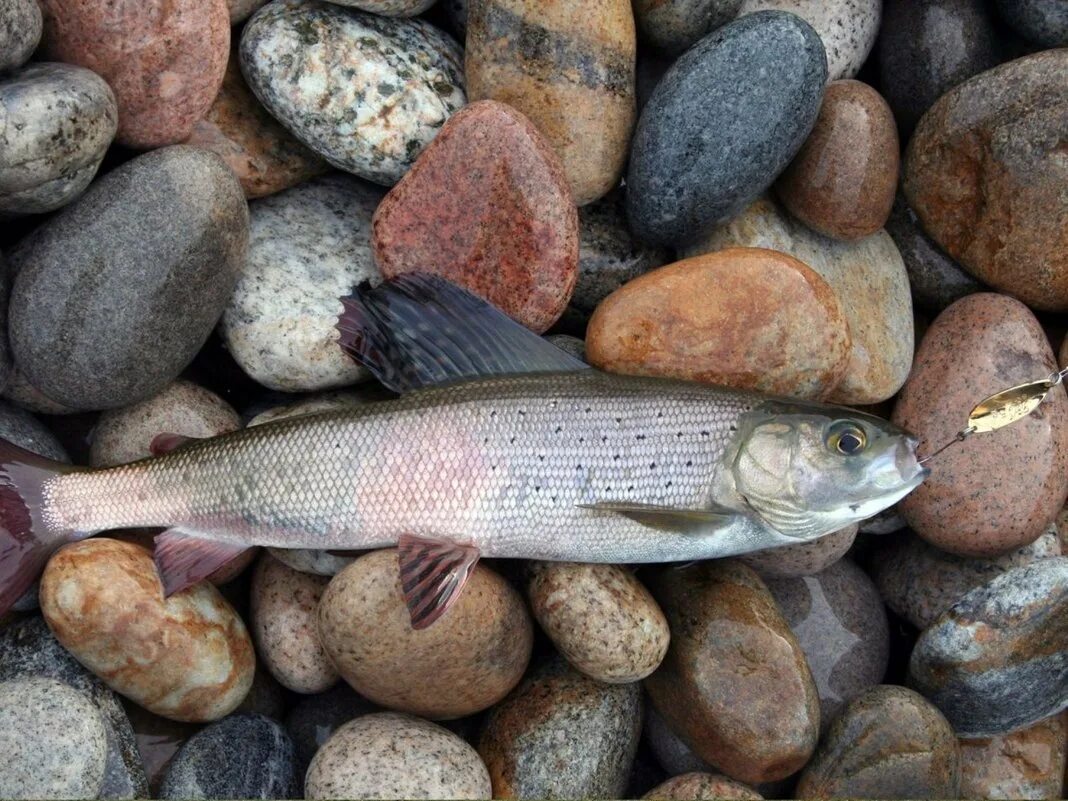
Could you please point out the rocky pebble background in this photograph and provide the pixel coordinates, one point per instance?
(856, 201)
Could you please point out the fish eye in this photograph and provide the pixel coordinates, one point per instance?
(848, 439)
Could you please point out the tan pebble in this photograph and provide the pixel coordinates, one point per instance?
(1029, 763)
(803, 559)
(701, 786)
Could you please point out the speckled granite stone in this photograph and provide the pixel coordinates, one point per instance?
(314, 718)
(145, 260)
(1044, 22)
(802, 559)
(26, 431)
(53, 740)
(389, 8)
(390, 755)
(569, 344)
(58, 122)
(722, 124)
(1028, 763)
(671, 26)
(367, 93)
(20, 31)
(20, 392)
(307, 560)
(699, 786)
(240, 756)
(847, 27)
(562, 735)
(998, 659)
(308, 247)
(240, 10)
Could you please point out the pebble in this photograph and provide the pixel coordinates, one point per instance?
(735, 685)
(263, 155)
(569, 67)
(869, 279)
(1029, 763)
(188, 657)
(367, 93)
(888, 743)
(600, 618)
(20, 32)
(308, 560)
(997, 492)
(308, 247)
(840, 623)
(997, 661)
(562, 735)
(673, 755)
(920, 582)
(314, 718)
(240, 10)
(19, 391)
(240, 756)
(22, 428)
(165, 61)
(608, 255)
(184, 408)
(59, 120)
(145, 261)
(27, 650)
(284, 623)
(842, 181)
(847, 27)
(803, 558)
(1044, 22)
(467, 661)
(392, 755)
(487, 206)
(389, 8)
(745, 317)
(927, 49)
(721, 125)
(672, 26)
(984, 174)
(936, 280)
(54, 742)
(699, 786)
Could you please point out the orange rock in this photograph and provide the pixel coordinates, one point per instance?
(1029, 763)
(747, 318)
(698, 786)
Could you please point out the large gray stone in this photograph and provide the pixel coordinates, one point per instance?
(20, 31)
(1044, 22)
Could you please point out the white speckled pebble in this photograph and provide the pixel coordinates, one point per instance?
(847, 27)
(53, 741)
(308, 247)
(391, 755)
(389, 8)
(803, 559)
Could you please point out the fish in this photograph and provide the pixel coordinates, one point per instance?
(498, 444)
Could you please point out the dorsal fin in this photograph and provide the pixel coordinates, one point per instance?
(417, 330)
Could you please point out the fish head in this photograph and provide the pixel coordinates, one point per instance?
(810, 469)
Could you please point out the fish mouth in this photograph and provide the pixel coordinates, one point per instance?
(908, 464)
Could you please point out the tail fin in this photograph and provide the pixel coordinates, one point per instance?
(26, 539)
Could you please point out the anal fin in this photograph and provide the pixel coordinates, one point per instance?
(183, 558)
(667, 518)
(167, 442)
(433, 573)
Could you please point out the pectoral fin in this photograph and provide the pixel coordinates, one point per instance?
(183, 558)
(667, 518)
(433, 573)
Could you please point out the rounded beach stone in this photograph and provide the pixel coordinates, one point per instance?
(671, 26)
(570, 69)
(309, 560)
(284, 622)
(847, 27)
(920, 582)
(486, 206)
(20, 392)
(600, 618)
(985, 176)
(868, 279)
(468, 660)
(188, 657)
(1044, 22)
(842, 181)
(735, 685)
(699, 786)
(165, 61)
(240, 10)
(999, 491)
(389, 8)
(58, 122)
(367, 93)
(308, 247)
(804, 558)
(673, 755)
(126, 435)
(158, 740)
(722, 124)
(240, 756)
(888, 743)
(145, 261)
(314, 718)
(997, 661)
(20, 31)
(22, 428)
(562, 735)
(936, 280)
(263, 155)
(746, 318)
(925, 49)
(840, 623)
(1028, 763)
(391, 755)
(53, 739)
